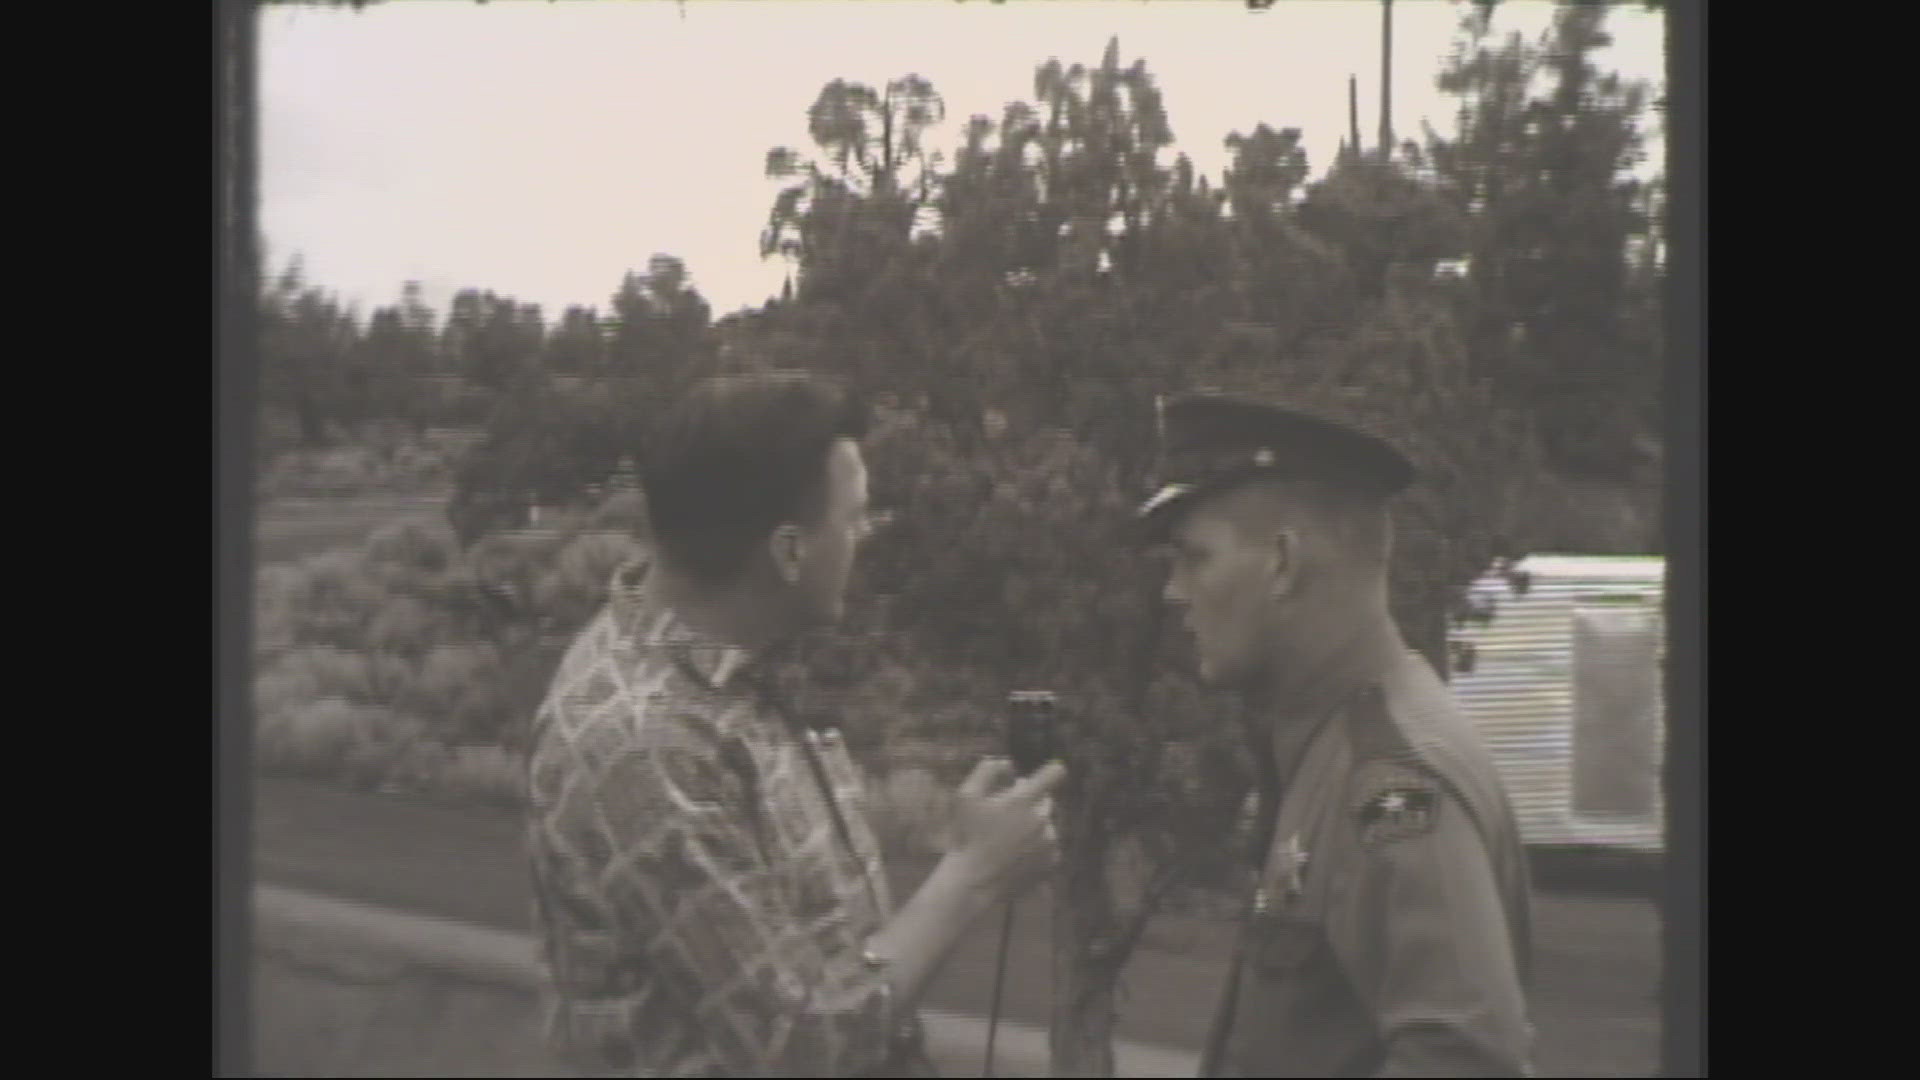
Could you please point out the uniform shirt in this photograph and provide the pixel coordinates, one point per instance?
(1390, 931)
(699, 914)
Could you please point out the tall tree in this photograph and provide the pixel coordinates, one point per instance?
(1542, 166)
(872, 174)
(309, 344)
(397, 354)
(550, 442)
(854, 221)
(1288, 279)
(494, 340)
(578, 344)
(658, 336)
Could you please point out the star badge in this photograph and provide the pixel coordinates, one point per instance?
(1293, 864)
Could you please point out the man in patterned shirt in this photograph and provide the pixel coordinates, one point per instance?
(708, 891)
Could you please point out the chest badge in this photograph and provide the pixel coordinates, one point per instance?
(1292, 866)
(1285, 874)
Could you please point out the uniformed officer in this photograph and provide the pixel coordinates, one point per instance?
(1387, 926)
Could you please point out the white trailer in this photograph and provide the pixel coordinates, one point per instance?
(1564, 679)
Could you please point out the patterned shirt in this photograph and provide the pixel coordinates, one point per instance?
(700, 913)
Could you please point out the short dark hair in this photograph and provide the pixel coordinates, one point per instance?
(1355, 517)
(737, 457)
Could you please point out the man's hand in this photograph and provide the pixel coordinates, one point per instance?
(1006, 839)
(1004, 846)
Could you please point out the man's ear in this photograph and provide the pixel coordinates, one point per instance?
(789, 551)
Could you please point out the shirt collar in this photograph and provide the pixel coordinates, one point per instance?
(647, 622)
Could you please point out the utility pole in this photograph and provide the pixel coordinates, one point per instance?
(1386, 78)
(1353, 112)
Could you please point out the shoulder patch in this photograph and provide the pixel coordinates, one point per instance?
(1392, 801)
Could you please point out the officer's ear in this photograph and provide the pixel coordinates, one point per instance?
(1284, 552)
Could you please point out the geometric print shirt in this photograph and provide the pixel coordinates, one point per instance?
(698, 911)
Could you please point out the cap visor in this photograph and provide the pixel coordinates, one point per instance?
(1163, 498)
(1150, 521)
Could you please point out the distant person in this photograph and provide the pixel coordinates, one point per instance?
(711, 902)
(1387, 926)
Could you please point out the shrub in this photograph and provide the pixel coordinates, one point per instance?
(455, 689)
(332, 601)
(376, 457)
(281, 690)
(486, 773)
(405, 627)
(275, 612)
(316, 735)
(575, 586)
(414, 545)
(320, 671)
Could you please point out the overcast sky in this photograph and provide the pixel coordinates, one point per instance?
(542, 150)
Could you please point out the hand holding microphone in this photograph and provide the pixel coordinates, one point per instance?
(1005, 825)
(1013, 830)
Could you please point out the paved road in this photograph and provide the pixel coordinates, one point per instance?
(1596, 1002)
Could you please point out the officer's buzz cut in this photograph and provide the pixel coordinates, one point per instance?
(1356, 520)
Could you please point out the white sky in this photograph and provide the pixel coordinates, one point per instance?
(544, 149)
